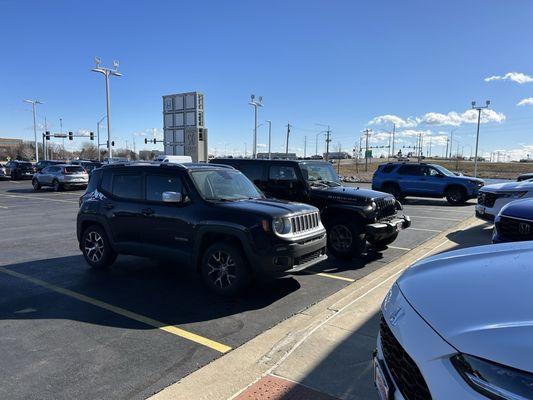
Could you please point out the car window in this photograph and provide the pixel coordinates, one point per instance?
(387, 169)
(127, 186)
(45, 170)
(282, 173)
(105, 184)
(74, 169)
(254, 171)
(93, 181)
(157, 184)
(409, 170)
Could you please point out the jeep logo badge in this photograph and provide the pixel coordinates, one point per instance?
(524, 228)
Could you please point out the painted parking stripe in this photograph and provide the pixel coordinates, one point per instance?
(445, 209)
(439, 218)
(341, 278)
(39, 198)
(399, 248)
(422, 230)
(222, 348)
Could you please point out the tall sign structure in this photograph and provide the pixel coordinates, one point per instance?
(184, 125)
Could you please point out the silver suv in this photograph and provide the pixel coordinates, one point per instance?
(60, 177)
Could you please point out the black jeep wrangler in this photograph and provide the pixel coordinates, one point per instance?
(201, 215)
(352, 216)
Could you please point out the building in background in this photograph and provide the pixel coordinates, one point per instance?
(338, 155)
(184, 125)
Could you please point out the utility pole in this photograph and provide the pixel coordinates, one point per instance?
(328, 139)
(393, 134)
(255, 104)
(451, 143)
(45, 147)
(429, 154)
(61, 131)
(107, 72)
(33, 103)
(316, 142)
(447, 143)
(287, 145)
(269, 139)
(98, 135)
(305, 146)
(479, 109)
(367, 135)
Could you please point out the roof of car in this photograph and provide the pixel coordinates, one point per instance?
(215, 160)
(170, 165)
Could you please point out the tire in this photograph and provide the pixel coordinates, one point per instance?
(395, 190)
(455, 195)
(224, 269)
(96, 248)
(345, 240)
(382, 244)
(36, 185)
(56, 185)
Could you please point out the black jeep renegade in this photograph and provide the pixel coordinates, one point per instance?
(201, 215)
(352, 216)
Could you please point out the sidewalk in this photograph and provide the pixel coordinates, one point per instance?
(322, 353)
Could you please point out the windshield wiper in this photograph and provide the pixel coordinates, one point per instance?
(329, 183)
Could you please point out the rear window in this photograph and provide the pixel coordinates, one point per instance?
(409, 170)
(127, 186)
(74, 170)
(254, 171)
(387, 169)
(282, 173)
(93, 181)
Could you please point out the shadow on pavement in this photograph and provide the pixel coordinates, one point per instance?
(434, 202)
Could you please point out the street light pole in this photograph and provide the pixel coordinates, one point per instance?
(479, 109)
(269, 139)
(98, 135)
(107, 72)
(255, 104)
(33, 103)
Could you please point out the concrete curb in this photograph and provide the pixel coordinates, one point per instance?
(228, 376)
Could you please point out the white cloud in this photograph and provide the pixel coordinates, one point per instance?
(517, 77)
(393, 119)
(470, 116)
(433, 118)
(526, 102)
(261, 145)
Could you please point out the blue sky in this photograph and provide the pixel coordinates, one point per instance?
(342, 63)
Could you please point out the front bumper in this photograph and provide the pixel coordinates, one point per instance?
(432, 359)
(287, 257)
(384, 229)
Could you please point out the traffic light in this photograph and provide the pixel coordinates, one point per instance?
(47, 135)
(91, 135)
(113, 143)
(154, 141)
(145, 141)
(70, 136)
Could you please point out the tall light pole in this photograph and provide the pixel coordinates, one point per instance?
(269, 139)
(328, 138)
(107, 72)
(98, 135)
(33, 103)
(255, 104)
(479, 109)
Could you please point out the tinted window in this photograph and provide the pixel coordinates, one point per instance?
(282, 173)
(105, 185)
(409, 170)
(157, 184)
(52, 170)
(74, 170)
(93, 181)
(127, 186)
(254, 171)
(45, 170)
(387, 169)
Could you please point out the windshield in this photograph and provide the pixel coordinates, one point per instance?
(443, 170)
(225, 185)
(320, 173)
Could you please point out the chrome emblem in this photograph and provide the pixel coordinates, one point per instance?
(524, 228)
(395, 316)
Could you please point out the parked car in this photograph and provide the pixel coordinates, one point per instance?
(524, 177)
(351, 215)
(458, 326)
(3, 171)
(46, 163)
(425, 180)
(492, 198)
(19, 169)
(210, 218)
(173, 159)
(514, 222)
(62, 176)
(88, 165)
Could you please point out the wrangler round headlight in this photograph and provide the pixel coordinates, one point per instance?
(281, 226)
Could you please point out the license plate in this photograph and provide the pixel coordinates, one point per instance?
(380, 381)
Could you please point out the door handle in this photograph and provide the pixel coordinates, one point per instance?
(147, 211)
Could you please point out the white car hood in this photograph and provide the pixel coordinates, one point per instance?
(480, 300)
(509, 186)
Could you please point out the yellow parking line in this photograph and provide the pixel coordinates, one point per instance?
(399, 248)
(38, 198)
(341, 278)
(222, 348)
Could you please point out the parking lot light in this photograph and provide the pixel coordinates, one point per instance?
(33, 103)
(479, 109)
(255, 104)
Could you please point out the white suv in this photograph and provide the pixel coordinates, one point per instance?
(492, 198)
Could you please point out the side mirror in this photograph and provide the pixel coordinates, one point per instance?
(172, 197)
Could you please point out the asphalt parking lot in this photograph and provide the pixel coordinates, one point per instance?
(69, 332)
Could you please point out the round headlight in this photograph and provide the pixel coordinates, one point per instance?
(281, 226)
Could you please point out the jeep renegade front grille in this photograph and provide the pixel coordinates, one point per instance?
(304, 222)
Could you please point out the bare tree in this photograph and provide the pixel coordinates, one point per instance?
(88, 151)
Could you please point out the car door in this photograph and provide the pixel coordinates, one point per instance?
(432, 179)
(409, 179)
(122, 207)
(282, 182)
(167, 226)
(41, 176)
